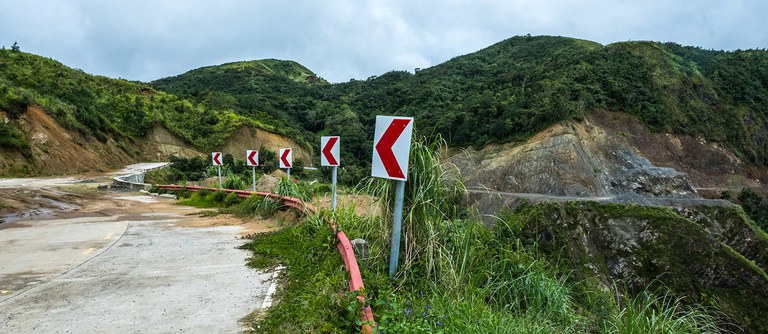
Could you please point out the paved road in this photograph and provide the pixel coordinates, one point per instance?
(539, 197)
(628, 198)
(125, 264)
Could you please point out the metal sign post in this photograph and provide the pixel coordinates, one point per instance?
(330, 148)
(216, 159)
(333, 188)
(286, 160)
(391, 150)
(252, 159)
(397, 221)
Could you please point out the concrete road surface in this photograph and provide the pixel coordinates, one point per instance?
(126, 264)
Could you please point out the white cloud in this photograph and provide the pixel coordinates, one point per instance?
(146, 40)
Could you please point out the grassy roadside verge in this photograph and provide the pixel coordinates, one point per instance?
(456, 275)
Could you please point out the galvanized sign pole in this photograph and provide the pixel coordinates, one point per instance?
(397, 221)
(253, 179)
(219, 176)
(330, 148)
(333, 188)
(391, 150)
(216, 159)
(252, 159)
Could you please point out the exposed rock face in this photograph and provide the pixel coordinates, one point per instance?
(167, 144)
(698, 252)
(58, 151)
(639, 176)
(710, 166)
(246, 138)
(573, 159)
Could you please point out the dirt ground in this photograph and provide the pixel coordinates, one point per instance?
(86, 200)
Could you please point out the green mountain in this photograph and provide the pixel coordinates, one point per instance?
(509, 91)
(506, 92)
(102, 109)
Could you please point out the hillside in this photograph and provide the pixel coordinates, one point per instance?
(539, 128)
(510, 91)
(106, 121)
(274, 92)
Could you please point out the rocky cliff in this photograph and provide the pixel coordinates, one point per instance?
(607, 155)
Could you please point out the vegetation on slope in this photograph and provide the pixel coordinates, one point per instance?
(456, 275)
(270, 91)
(512, 90)
(505, 92)
(101, 108)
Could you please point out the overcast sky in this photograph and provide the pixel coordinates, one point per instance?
(339, 40)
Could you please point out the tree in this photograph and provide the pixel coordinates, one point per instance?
(15, 47)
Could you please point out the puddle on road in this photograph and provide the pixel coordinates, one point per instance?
(48, 208)
(32, 214)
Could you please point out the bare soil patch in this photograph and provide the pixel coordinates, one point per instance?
(88, 201)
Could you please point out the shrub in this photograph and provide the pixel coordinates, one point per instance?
(219, 196)
(232, 199)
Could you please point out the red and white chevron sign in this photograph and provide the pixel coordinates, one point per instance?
(252, 158)
(286, 157)
(391, 147)
(330, 151)
(216, 158)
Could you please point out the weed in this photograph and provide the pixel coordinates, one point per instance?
(257, 205)
(234, 181)
(312, 298)
(649, 313)
(232, 199)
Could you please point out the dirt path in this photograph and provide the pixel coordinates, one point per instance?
(81, 260)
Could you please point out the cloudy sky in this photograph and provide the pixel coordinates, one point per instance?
(340, 40)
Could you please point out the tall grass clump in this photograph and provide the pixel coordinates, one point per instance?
(263, 206)
(650, 313)
(235, 181)
(431, 216)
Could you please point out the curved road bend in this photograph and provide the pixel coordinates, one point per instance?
(124, 265)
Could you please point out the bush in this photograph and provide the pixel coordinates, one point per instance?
(183, 193)
(232, 199)
(219, 196)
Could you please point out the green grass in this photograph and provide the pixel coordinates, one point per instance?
(312, 297)
(648, 313)
(206, 199)
(455, 275)
(265, 207)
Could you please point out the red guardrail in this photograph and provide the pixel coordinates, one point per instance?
(344, 246)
